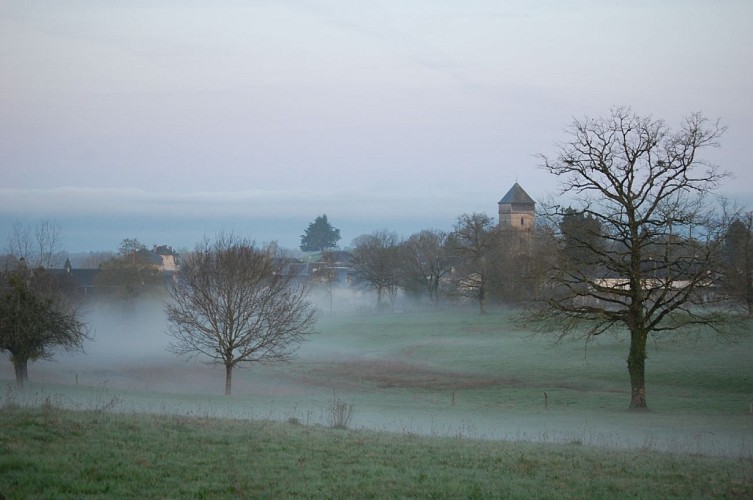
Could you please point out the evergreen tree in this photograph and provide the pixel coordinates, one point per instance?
(319, 236)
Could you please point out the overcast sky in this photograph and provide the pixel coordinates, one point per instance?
(166, 120)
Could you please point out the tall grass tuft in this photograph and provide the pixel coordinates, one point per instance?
(341, 413)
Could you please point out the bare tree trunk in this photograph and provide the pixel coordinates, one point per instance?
(228, 378)
(637, 368)
(22, 372)
(482, 295)
(482, 286)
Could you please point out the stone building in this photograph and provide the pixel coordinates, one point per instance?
(517, 210)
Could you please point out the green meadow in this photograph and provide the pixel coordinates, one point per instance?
(447, 403)
(53, 453)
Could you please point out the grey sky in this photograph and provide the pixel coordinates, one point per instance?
(164, 119)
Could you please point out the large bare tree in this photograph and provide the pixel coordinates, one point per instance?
(233, 304)
(649, 252)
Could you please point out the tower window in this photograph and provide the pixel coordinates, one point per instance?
(522, 221)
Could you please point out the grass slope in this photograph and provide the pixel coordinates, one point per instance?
(453, 376)
(54, 453)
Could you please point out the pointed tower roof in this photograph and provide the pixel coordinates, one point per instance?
(517, 195)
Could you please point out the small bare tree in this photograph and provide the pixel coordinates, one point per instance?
(649, 252)
(738, 261)
(474, 238)
(38, 246)
(376, 261)
(324, 276)
(426, 261)
(233, 305)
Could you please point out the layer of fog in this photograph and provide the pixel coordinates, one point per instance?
(129, 347)
(128, 368)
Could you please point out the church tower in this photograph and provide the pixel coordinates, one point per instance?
(517, 210)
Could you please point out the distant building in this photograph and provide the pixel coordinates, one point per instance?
(169, 259)
(517, 210)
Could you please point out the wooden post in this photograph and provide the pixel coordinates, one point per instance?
(546, 401)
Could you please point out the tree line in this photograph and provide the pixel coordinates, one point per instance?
(569, 249)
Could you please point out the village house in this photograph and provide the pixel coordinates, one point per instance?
(169, 259)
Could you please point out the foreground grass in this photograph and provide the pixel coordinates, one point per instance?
(56, 453)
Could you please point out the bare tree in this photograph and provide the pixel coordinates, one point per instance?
(38, 246)
(36, 318)
(738, 260)
(376, 261)
(644, 187)
(518, 262)
(324, 275)
(233, 305)
(473, 240)
(426, 262)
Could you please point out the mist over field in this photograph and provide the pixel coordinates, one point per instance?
(431, 372)
(130, 342)
(517, 223)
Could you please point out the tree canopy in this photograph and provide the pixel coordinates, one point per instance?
(35, 319)
(320, 235)
(131, 270)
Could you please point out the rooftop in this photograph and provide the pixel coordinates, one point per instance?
(517, 195)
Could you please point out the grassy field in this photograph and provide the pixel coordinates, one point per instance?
(53, 453)
(439, 381)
